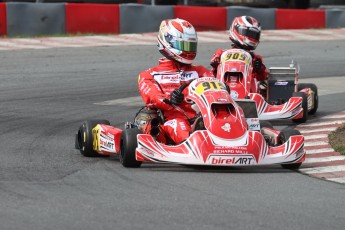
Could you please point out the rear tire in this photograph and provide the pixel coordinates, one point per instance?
(84, 137)
(284, 135)
(304, 106)
(129, 144)
(313, 87)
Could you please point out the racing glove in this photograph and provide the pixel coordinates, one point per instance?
(176, 97)
(215, 60)
(257, 64)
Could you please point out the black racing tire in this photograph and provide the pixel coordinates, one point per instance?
(128, 145)
(304, 106)
(284, 135)
(84, 137)
(265, 124)
(313, 87)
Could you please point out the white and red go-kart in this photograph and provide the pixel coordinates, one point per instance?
(231, 135)
(283, 98)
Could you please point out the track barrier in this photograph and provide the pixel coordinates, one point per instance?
(17, 19)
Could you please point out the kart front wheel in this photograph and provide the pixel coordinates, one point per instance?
(304, 107)
(84, 140)
(284, 135)
(313, 87)
(128, 146)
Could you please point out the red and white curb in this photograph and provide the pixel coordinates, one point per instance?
(322, 161)
(151, 39)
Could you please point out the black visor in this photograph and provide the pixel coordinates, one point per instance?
(249, 32)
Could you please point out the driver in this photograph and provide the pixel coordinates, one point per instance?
(245, 34)
(177, 42)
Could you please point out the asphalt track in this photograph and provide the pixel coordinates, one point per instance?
(46, 184)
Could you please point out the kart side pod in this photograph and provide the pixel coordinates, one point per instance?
(94, 139)
(106, 139)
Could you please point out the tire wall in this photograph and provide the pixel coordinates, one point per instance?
(92, 18)
(3, 21)
(266, 16)
(300, 19)
(203, 18)
(335, 18)
(22, 19)
(136, 18)
(35, 19)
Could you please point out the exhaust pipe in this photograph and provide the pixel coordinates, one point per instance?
(154, 127)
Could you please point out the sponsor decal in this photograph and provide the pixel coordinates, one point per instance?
(175, 77)
(188, 75)
(233, 69)
(226, 127)
(233, 150)
(253, 124)
(106, 144)
(281, 83)
(231, 160)
(234, 94)
(106, 141)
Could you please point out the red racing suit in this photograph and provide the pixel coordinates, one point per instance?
(156, 84)
(260, 72)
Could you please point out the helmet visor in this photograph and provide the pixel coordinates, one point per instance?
(249, 32)
(181, 45)
(184, 46)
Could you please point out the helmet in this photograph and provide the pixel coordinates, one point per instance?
(245, 32)
(177, 40)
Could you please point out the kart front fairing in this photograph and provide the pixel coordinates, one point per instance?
(202, 148)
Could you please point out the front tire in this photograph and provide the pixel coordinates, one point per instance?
(313, 87)
(84, 140)
(284, 135)
(304, 106)
(129, 144)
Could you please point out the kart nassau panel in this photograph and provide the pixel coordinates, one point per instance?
(217, 107)
(106, 139)
(236, 71)
(292, 109)
(204, 149)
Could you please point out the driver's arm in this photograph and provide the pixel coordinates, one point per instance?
(151, 92)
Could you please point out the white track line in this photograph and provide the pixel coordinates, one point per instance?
(324, 159)
(315, 143)
(325, 169)
(311, 137)
(317, 151)
(338, 180)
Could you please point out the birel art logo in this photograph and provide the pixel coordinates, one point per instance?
(231, 159)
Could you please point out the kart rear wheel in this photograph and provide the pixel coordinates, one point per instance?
(304, 106)
(128, 145)
(84, 139)
(284, 135)
(313, 87)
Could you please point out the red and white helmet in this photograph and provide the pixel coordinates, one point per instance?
(177, 40)
(245, 32)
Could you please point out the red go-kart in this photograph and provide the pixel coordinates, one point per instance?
(226, 133)
(282, 96)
